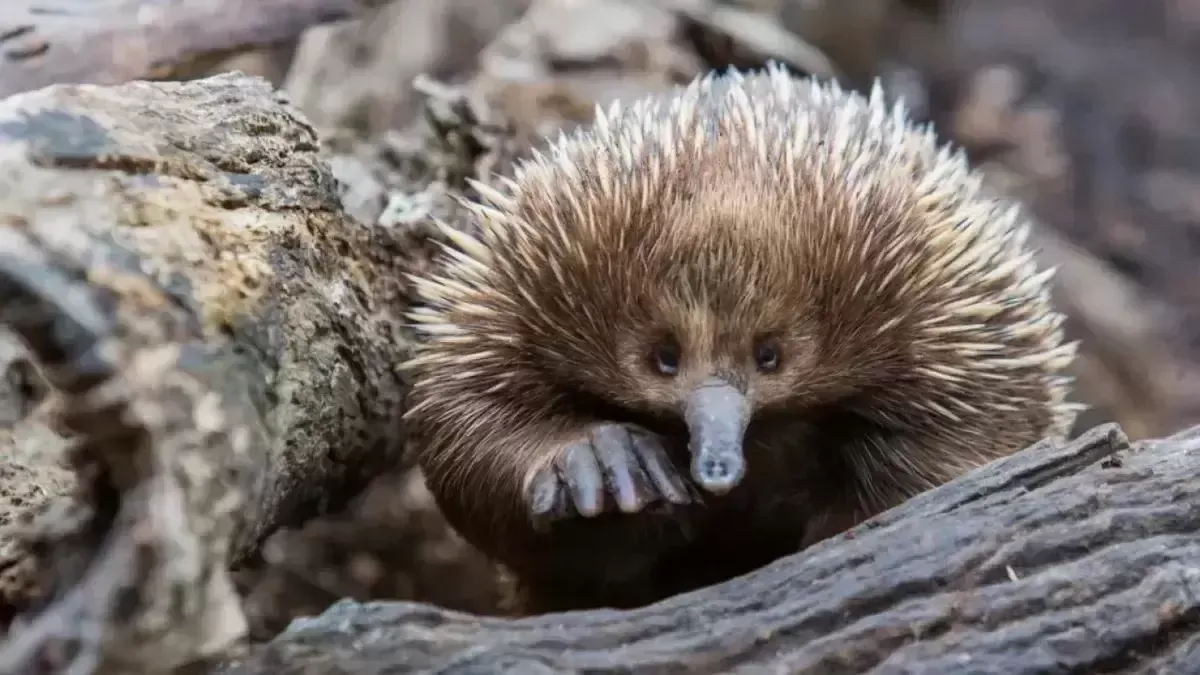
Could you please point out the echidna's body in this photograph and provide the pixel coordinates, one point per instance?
(751, 254)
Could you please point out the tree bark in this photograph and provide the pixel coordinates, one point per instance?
(113, 41)
(218, 339)
(1078, 557)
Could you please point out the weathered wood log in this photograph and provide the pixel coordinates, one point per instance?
(219, 340)
(114, 41)
(1078, 557)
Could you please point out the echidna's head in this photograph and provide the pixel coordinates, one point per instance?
(690, 311)
(743, 248)
(716, 332)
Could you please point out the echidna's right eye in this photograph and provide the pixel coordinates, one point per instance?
(665, 358)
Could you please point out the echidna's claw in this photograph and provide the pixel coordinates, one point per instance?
(613, 466)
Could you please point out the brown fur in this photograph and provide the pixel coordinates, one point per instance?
(898, 373)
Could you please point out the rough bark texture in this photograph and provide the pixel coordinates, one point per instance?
(219, 343)
(45, 42)
(1071, 558)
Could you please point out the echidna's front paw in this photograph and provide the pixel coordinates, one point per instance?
(614, 465)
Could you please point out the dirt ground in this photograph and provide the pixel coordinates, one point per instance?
(1097, 135)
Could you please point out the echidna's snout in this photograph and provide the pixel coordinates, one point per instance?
(716, 414)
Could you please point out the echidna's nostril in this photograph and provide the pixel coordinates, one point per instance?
(717, 471)
(714, 469)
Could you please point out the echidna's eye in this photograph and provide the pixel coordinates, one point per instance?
(665, 358)
(766, 357)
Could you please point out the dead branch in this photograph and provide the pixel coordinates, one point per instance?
(114, 41)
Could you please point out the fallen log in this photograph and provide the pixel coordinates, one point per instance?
(114, 41)
(218, 340)
(1079, 557)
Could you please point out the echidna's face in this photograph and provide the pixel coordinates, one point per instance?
(715, 363)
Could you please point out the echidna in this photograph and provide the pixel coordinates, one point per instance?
(718, 325)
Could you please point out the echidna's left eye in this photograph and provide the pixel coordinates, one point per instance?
(665, 358)
(766, 357)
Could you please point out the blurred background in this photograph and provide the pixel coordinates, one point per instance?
(1086, 110)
